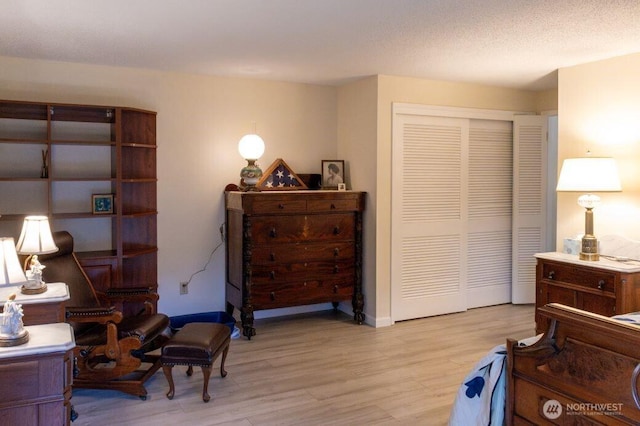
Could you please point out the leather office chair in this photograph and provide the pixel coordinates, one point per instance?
(108, 345)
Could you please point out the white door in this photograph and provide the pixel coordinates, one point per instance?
(529, 203)
(428, 265)
(489, 212)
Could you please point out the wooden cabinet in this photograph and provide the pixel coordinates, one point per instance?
(36, 378)
(289, 248)
(54, 157)
(43, 308)
(603, 287)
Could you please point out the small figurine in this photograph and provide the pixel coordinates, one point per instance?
(35, 271)
(35, 284)
(12, 330)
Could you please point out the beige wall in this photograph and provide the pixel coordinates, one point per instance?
(599, 110)
(357, 122)
(200, 120)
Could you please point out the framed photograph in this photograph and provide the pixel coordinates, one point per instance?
(332, 173)
(102, 203)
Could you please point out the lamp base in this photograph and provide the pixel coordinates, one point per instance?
(20, 339)
(589, 256)
(589, 248)
(33, 290)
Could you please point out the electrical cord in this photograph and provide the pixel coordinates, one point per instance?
(204, 268)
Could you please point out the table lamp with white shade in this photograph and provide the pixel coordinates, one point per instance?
(11, 273)
(35, 239)
(588, 175)
(12, 332)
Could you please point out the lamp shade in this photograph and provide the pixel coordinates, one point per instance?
(11, 272)
(589, 174)
(251, 147)
(36, 237)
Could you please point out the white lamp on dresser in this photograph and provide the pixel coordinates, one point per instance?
(35, 239)
(588, 175)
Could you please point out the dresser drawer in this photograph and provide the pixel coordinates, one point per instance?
(302, 228)
(302, 252)
(332, 205)
(579, 276)
(279, 205)
(303, 271)
(307, 292)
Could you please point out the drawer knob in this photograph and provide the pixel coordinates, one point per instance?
(272, 295)
(336, 251)
(336, 269)
(335, 289)
(273, 233)
(333, 206)
(336, 230)
(601, 285)
(272, 275)
(552, 275)
(281, 206)
(272, 257)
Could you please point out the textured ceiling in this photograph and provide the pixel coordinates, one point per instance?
(511, 43)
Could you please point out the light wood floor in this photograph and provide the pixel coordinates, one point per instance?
(322, 369)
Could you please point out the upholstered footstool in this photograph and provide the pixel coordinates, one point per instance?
(197, 344)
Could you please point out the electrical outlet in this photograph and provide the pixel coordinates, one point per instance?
(184, 287)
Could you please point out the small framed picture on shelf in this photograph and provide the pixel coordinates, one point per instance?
(332, 173)
(102, 203)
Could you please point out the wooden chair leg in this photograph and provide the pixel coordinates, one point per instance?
(190, 370)
(206, 372)
(167, 373)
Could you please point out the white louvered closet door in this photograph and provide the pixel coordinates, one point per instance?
(489, 213)
(529, 203)
(451, 214)
(429, 224)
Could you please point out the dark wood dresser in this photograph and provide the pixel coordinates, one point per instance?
(604, 287)
(290, 248)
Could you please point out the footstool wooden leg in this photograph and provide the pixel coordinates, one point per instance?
(190, 370)
(223, 372)
(206, 372)
(169, 376)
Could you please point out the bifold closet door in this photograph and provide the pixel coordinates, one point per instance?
(451, 214)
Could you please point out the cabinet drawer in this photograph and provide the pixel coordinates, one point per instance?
(300, 293)
(302, 252)
(283, 205)
(302, 228)
(579, 276)
(304, 271)
(332, 205)
(597, 303)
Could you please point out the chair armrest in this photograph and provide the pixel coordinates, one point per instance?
(119, 296)
(100, 315)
